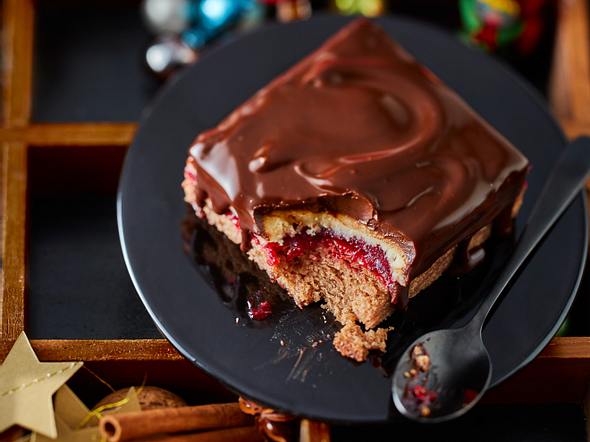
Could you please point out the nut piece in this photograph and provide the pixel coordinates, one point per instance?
(420, 358)
(417, 351)
(422, 363)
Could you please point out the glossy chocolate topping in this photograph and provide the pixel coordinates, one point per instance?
(360, 127)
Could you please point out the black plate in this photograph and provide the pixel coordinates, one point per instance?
(299, 378)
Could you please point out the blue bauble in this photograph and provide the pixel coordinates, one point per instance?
(196, 37)
(211, 17)
(216, 14)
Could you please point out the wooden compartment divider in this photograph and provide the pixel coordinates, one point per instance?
(17, 50)
(70, 134)
(14, 162)
(569, 92)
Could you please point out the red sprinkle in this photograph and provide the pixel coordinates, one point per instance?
(420, 392)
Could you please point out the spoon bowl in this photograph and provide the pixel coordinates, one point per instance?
(458, 373)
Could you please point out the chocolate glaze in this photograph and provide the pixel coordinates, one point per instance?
(360, 127)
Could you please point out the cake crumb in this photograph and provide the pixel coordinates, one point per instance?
(353, 343)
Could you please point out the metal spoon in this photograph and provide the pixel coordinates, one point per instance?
(460, 366)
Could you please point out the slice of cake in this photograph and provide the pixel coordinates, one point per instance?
(355, 178)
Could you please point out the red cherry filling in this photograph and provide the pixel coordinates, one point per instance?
(233, 218)
(259, 311)
(189, 174)
(354, 251)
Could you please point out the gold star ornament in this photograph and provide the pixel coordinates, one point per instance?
(26, 388)
(76, 423)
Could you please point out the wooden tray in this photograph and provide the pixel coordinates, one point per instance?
(77, 161)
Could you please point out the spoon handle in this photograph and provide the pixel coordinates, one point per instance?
(567, 178)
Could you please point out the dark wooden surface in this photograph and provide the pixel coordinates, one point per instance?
(569, 90)
(506, 423)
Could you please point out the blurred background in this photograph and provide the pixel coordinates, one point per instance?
(103, 61)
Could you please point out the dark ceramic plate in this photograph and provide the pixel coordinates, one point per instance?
(197, 312)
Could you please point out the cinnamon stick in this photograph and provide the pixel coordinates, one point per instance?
(126, 426)
(239, 434)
